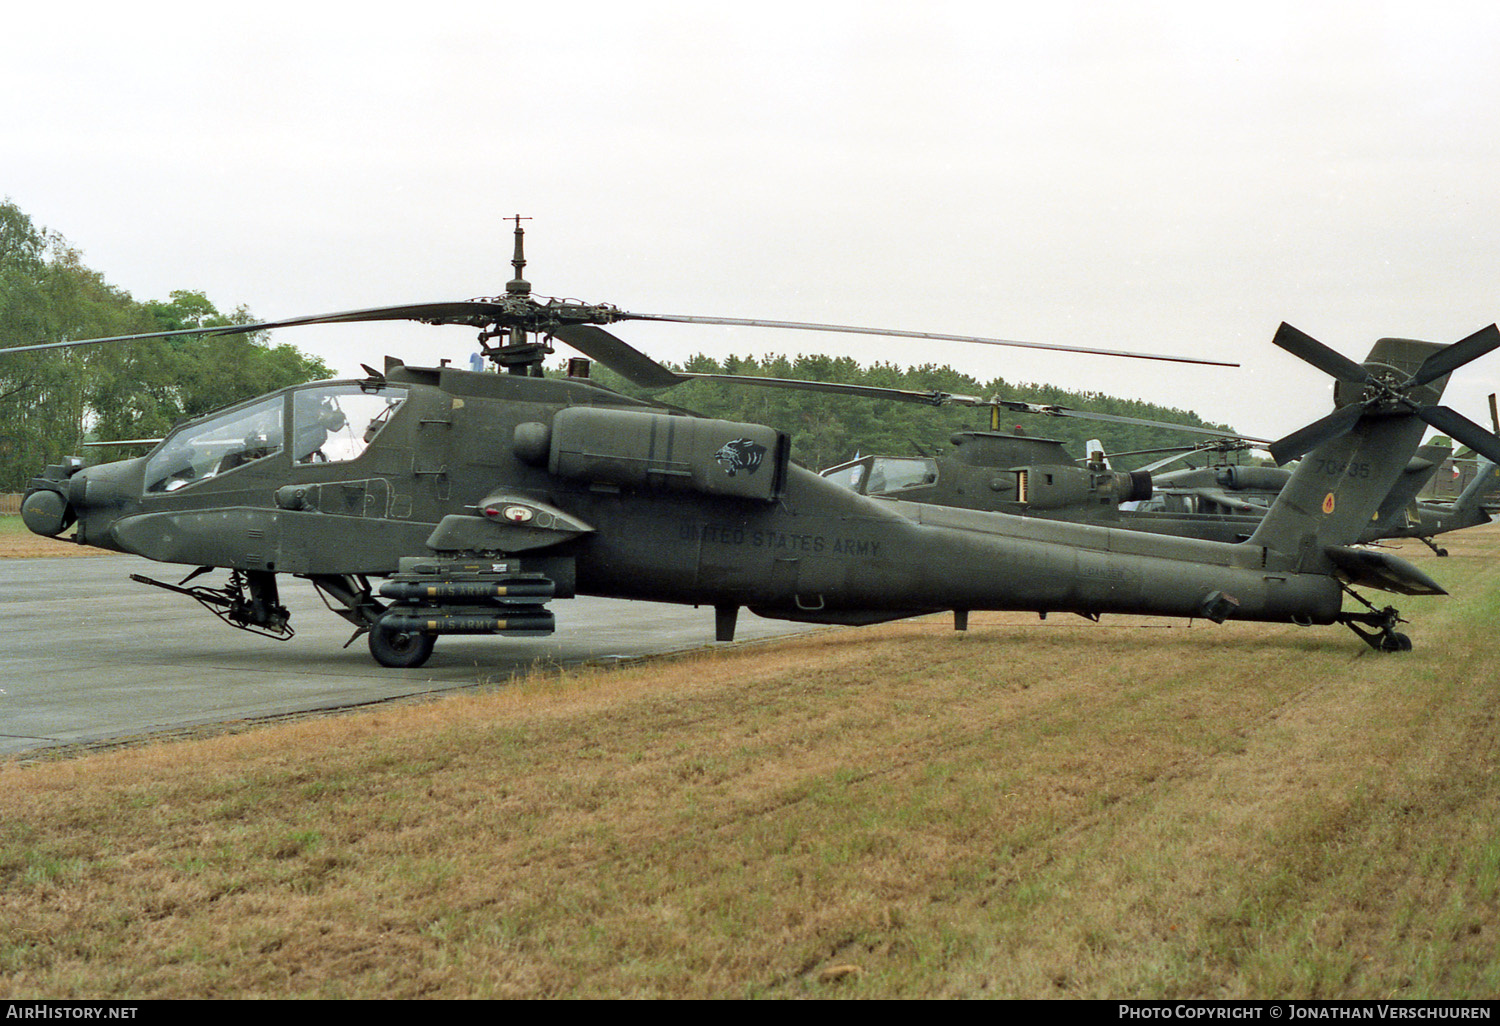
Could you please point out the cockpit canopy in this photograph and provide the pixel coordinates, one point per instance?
(883, 475)
(330, 422)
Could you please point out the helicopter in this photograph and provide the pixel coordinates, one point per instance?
(1456, 472)
(471, 500)
(1238, 496)
(1413, 509)
(1005, 471)
(1016, 472)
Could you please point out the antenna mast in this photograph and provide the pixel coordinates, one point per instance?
(518, 286)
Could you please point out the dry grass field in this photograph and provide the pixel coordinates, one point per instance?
(16, 542)
(1029, 809)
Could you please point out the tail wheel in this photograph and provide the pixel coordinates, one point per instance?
(402, 650)
(1395, 642)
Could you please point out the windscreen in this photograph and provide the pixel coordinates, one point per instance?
(205, 450)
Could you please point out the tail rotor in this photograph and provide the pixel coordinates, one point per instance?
(1385, 391)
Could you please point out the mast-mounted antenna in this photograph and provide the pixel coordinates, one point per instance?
(518, 286)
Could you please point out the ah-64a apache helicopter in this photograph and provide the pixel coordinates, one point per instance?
(476, 498)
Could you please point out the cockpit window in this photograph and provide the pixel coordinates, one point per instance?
(335, 423)
(206, 450)
(848, 475)
(881, 475)
(890, 474)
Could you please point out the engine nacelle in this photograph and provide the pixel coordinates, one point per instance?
(1261, 479)
(1056, 487)
(653, 450)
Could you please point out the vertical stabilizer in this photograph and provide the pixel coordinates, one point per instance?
(1486, 482)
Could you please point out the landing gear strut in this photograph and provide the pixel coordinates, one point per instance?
(248, 602)
(1385, 637)
(398, 647)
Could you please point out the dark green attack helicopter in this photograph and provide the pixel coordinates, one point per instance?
(424, 501)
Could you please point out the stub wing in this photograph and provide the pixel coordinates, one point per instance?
(1381, 570)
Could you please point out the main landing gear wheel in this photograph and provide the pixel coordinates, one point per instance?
(402, 650)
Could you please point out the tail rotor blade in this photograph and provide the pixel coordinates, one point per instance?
(1445, 361)
(1456, 425)
(1305, 347)
(1339, 422)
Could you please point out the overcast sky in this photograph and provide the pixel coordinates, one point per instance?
(1159, 177)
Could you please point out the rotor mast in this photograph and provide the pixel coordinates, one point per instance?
(517, 354)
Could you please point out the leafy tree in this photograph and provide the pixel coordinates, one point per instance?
(161, 381)
(45, 293)
(51, 402)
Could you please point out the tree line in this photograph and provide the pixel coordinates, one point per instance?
(52, 402)
(830, 429)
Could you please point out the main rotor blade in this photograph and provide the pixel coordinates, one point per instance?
(227, 330)
(938, 398)
(1183, 451)
(472, 311)
(1305, 347)
(1166, 462)
(900, 395)
(748, 322)
(1063, 411)
(1447, 360)
(1339, 422)
(1456, 425)
(618, 355)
